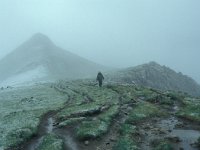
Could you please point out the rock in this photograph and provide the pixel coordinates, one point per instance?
(125, 113)
(112, 139)
(169, 130)
(162, 132)
(86, 143)
(147, 127)
(125, 106)
(95, 118)
(181, 148)
(175, 139)
(133, 100)
(55, 123)
(193, 144)
(179, 125)
(129, 108)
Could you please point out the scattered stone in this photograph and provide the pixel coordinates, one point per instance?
(147, 127)
(162, 132)
(104, 108)
(95, 118)
(194, 144)
(125, 106)
(125, 113)
(169, 130)
(112, 139)
(174, 139)
(86, 143)
(129, 108)
(55, 123)
(133, 100)
(179, 125)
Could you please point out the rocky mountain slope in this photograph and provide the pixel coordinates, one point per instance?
(40, 59)
(157, 76)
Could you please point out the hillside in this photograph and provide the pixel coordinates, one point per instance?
(77, 115)
(156, 76)
(40, 59)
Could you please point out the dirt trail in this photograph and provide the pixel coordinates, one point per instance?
(180, 133)
(47, 126)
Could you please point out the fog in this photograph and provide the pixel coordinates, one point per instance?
(116, 33)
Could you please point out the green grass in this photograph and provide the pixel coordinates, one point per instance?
(142, 111)
(108, 115)
(16, 136)
(91, 129)
(51, 142)
(126, 140)
(21, 110)
(80, 109)
(162, 145)
(198, 142)
(190, 111)
(71, 121)
(98, 126)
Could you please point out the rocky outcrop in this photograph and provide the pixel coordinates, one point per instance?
(157, 76)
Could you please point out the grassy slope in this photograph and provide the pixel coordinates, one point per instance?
(91, 109)
(21, 110)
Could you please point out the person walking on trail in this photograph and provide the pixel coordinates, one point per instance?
(100, 78)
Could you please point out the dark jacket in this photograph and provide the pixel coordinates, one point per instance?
(100, 76)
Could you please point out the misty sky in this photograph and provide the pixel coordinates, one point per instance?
(118, 33)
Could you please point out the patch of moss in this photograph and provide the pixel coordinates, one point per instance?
(175, 96)
(91, 129)
(142, 111)
(70, 121)
(160, 99)
(191, 110)
(98, 126)
(126, 140)
(16, 136)
(163, 145)
(51, 142)
(198, 142)
(78, 109)
(127, 129)
(125, 143)
(108, 115)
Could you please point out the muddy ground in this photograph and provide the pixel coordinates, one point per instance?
(150, 131)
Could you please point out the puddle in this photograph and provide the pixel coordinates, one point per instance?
(167, 128)
(69, 142)
(168, 124)
(45, 127)
(49, 127)
(34, 144)
(187, 138)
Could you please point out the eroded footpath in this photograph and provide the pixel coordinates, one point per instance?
(118, 117)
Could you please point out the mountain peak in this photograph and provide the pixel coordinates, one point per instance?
(153, 63)
(40, 39)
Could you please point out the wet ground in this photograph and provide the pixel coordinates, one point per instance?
(181, 133)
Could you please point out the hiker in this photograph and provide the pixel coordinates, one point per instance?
(100, 78)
